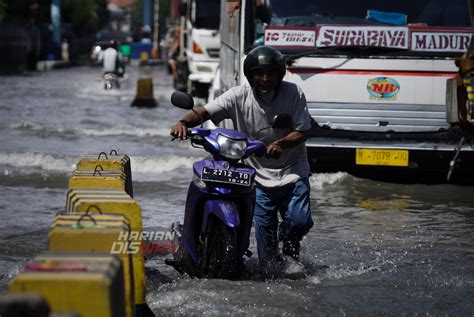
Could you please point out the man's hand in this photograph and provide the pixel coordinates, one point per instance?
(292, 139)
(192, 119)
(179, 130)
(273, 150)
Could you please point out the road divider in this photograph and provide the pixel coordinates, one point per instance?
(95, 233)
(89, 285)
(112, 161)
(96, 260)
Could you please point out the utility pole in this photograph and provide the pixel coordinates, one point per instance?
(156, 16)
(56, 21)
(146, 14)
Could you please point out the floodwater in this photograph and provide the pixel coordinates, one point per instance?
(376, 248)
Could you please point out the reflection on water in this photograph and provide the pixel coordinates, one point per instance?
(374, 204)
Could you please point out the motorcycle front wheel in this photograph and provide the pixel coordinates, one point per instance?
(223, 259)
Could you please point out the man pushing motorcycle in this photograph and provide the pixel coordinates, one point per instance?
(282, 174)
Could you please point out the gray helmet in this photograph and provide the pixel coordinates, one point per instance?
(264, 57)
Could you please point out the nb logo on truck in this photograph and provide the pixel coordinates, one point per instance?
(383, 87)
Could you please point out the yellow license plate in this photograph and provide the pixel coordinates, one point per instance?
(382, 157)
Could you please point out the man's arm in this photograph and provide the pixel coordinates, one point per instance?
(290, 140)
(192, 119)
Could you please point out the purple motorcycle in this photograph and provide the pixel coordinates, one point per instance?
(220, 201)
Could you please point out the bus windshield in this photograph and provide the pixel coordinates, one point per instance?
(445, 13)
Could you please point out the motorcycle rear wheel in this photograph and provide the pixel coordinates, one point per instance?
(223, 260)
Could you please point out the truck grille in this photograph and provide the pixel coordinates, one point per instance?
(380, 117)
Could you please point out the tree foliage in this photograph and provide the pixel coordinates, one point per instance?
(2, 7)
(27, 12)
(85, 16)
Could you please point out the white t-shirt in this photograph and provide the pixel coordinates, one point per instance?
(250, 114)
(109, 59)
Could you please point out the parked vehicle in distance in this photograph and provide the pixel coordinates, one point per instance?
(201, 47)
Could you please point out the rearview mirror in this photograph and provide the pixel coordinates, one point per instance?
(182, 100)
(282, 121)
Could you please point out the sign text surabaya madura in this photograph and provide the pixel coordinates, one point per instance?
(363, 36)
(392, 37)
(440, 41)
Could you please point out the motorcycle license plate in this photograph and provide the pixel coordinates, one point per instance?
(225, 176)
(382, 157)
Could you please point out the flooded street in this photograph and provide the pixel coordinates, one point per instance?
(375, 249)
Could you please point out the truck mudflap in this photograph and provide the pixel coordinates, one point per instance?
(406, 158)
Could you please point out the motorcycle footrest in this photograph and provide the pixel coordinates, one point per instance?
(248, 253)
(175, 264)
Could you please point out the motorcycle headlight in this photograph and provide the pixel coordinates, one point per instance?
(231, 149)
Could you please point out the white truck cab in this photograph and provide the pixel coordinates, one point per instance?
(201, 43)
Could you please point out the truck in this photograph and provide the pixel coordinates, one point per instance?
(199, 58)
(379, 79)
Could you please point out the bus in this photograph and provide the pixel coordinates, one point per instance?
(378, 76)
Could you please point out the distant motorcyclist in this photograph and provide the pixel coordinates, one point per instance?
(126, 50)
(112, 60)
(282, 176)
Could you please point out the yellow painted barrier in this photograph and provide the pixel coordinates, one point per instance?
(89, 285)
(96, 200)
(105, 202)
(112, 161)
(72, 195)
(99, 179)
(96, 233)
(144, 96)
(143, 56)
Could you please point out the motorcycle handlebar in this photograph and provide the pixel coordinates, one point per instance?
(187, 135)
(190, 136)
